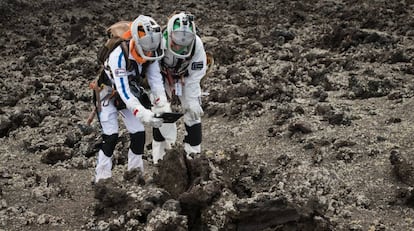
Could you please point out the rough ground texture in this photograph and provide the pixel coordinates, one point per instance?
(308, 122)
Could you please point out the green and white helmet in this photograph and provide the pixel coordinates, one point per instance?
(181, 34)
(147, 36)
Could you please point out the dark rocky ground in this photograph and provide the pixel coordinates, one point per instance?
(308, 121)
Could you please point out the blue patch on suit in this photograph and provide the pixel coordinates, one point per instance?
(197, 65)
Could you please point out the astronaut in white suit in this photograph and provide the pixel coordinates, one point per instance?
(142, 51)
(183, 66)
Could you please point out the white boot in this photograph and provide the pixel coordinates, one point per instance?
(158, 150)
(103, 168)
(135, 161)
(169, 132)
(191, 149)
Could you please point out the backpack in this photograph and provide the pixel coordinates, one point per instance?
(115, 38)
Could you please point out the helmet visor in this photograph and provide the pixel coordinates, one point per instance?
(182, 37)
(149, 46)
(150, 42)
(179, 49)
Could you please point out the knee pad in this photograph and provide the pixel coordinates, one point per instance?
(156, 134)
(137, 142)
(194, 134)
(109, 143)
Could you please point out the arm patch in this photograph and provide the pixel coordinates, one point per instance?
(197, 65)
(120, 72)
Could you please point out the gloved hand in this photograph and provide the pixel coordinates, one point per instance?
(161, 105)
(147, 117)
(194, 110)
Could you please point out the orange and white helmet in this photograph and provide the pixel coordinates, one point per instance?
(147, 36)
(181, 32)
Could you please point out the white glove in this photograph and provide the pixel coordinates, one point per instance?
(147, 117)
(194, 110)
(161, 105)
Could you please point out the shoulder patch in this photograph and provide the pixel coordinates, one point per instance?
(197, 65)
(120, 72)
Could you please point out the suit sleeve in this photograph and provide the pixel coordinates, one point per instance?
(155, 79)
(196, 71)
(117, 64)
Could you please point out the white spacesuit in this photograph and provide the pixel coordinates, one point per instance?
(143, 51)
(183, 66)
